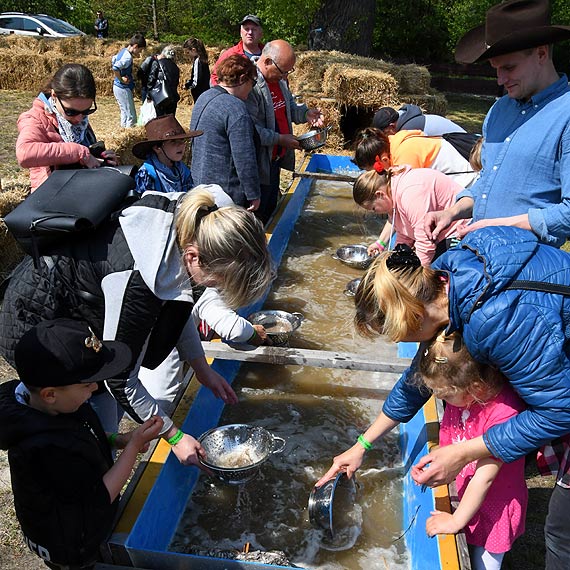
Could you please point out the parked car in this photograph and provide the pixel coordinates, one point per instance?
(38, 25)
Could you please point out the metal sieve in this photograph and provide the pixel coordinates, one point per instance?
(235, 452)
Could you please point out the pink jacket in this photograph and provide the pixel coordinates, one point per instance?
(415, 192)
(234, 50)
(40, 147)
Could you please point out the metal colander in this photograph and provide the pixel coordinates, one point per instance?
(235, 452)
(279, 325)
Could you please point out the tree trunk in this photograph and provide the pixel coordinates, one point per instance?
(344, 25)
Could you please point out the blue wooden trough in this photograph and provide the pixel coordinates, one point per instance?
(157, 502)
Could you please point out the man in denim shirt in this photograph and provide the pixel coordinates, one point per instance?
(525, 181)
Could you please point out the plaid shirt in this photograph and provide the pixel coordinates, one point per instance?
(554, 459)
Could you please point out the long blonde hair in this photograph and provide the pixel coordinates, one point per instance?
(231, 246)
(392, 301)
(446, 367)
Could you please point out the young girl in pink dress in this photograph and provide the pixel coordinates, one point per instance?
(406, 195)
(493, 495)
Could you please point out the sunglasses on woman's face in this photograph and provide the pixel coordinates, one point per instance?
(74, 112)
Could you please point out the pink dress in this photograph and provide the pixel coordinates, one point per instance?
(501, 518)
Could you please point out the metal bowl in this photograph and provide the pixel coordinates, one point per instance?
(313, 139)
(351, 287)
(330, 503)
(279, 325)
(235, 452)
(354, 255)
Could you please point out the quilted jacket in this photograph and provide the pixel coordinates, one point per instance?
(127, 281)
(523, 333)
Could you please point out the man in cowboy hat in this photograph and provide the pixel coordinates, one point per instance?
(525, 180)
(526, 172)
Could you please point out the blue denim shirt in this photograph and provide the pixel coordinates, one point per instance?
(526, 163)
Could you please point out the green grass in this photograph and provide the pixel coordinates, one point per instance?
(468, 111)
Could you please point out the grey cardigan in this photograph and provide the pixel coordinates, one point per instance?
(260, 107)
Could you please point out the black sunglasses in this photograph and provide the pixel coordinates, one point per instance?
(74, 112)
(280, 70)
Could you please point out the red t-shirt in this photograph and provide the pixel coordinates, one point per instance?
(281, 123)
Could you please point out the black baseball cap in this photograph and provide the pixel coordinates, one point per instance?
(384, 117)
(250, 18)
(61, 352)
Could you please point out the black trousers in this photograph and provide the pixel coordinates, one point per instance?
(270, 193)
(557, 530)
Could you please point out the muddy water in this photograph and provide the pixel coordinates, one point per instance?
(319, 412)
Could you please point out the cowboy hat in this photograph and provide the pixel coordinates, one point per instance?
(165, 128)
(510, 26)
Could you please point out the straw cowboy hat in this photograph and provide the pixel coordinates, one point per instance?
(165, 128)
(510, 26)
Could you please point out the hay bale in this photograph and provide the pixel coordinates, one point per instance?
(122, 140)
(359, 87)
(434, 102)
(11, 253)
(311, 67)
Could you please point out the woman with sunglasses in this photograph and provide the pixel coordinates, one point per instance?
(55, 132)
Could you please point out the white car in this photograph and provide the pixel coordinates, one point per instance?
(38, 25)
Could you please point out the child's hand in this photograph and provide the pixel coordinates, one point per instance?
(145, 433)
(441, 523)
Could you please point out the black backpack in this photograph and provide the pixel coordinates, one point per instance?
(463, 143)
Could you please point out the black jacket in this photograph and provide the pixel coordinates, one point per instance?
(57, 465)
(165, 71)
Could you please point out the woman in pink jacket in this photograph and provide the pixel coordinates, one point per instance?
(406, 195)
(55, 132)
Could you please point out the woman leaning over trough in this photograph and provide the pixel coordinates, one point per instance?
(132, 281)
(55, 132)
(498, 289)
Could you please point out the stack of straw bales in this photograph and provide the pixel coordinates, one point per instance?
(27, 63)
(334, 80)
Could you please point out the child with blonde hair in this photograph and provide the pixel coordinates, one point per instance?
(493, 495)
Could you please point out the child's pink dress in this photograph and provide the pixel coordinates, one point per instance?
(501, 518)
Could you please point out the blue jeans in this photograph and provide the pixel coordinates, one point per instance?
(126, 103)
(557, 530)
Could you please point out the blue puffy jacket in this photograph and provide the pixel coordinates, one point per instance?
(522, 333)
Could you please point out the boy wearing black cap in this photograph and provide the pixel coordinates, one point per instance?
(65, 485)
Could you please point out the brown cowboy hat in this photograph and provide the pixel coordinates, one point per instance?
(510, 26)
(165, 128)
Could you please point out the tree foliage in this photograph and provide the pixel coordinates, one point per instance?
(416, 30)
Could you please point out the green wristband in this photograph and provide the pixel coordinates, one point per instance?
(176, 437)
(366, 444)
(112, 439)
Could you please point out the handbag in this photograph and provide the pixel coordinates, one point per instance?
(159, 93)
(69, 202)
